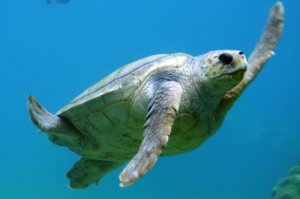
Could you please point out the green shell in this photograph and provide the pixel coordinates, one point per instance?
(108, 116)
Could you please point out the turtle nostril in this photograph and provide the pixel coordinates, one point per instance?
(225, 58)
(241, 53)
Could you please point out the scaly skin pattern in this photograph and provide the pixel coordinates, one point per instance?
(159, 105)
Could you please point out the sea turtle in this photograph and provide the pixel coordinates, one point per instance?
(160, 105)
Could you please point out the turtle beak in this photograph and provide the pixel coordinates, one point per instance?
(234, 72)
(238, 72)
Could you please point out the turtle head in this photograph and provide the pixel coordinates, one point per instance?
(222, 69)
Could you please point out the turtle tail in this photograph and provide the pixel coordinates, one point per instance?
(48, 122)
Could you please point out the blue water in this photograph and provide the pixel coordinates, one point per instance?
(56, 51)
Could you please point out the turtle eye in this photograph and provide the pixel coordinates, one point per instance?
(225, 58)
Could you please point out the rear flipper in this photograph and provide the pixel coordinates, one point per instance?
(48, 122)
(86, 172)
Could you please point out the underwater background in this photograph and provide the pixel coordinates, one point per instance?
(55, 51)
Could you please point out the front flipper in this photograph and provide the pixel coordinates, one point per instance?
(258, 58)
(86, 172)
(162, 112)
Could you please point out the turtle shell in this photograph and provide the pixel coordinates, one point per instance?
(104, 112)
(119, 85)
